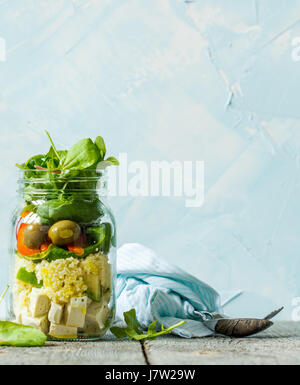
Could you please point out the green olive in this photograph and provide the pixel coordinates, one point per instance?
(64, 233)
(35, 235)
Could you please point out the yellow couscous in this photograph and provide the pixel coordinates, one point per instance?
(62, 279)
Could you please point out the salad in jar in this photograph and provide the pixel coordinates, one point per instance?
(64, 244)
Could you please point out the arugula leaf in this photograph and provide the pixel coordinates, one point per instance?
(134, 332)
(12, 334)
(53, 148)
(132, 322)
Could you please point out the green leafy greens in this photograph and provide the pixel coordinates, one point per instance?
(134, 332)
(84, 162)
(12, 334)
(62, 185)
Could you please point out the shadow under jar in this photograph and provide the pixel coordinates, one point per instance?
(63, 255)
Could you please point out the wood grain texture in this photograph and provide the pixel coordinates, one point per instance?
(278, 345)
(108, 351)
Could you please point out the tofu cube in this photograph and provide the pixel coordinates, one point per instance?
(39, 303)
(75, 312)
(62, 331)
(56, 313)
(40, 323)
(96, 318)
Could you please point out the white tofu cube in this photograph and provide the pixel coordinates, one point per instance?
(39, 303)
(96, 317)
(62, 331)
(40, 323)
(56, 313)
(75, 312)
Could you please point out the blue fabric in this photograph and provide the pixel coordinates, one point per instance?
(162, 292)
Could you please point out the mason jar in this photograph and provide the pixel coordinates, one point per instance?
(63, 255)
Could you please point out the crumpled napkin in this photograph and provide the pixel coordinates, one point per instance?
(163, 292)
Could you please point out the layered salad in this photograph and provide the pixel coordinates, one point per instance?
(62, 277)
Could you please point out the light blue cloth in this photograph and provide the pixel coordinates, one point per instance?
(163, 292)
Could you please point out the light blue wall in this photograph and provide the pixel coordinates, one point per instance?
(168, 79)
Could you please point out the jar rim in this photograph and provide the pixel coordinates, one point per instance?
(65, 174)
(41, 177)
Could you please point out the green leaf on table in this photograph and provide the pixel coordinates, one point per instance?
(12, 334)
(132, 322)
(134, 332)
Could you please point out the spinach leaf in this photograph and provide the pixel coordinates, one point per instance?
(113, 161)
(12, 334)
(82, 155)
(81, 211)
(28, 277)
(99, 142)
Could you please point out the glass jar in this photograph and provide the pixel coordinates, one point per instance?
(63, 255)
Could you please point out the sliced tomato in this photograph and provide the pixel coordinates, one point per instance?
(22, 248)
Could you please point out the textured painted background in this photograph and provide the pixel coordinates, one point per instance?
(168, 79)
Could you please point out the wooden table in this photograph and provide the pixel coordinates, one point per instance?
(278, 345)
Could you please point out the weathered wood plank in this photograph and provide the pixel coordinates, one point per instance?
(277, 345)
(105, 352)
